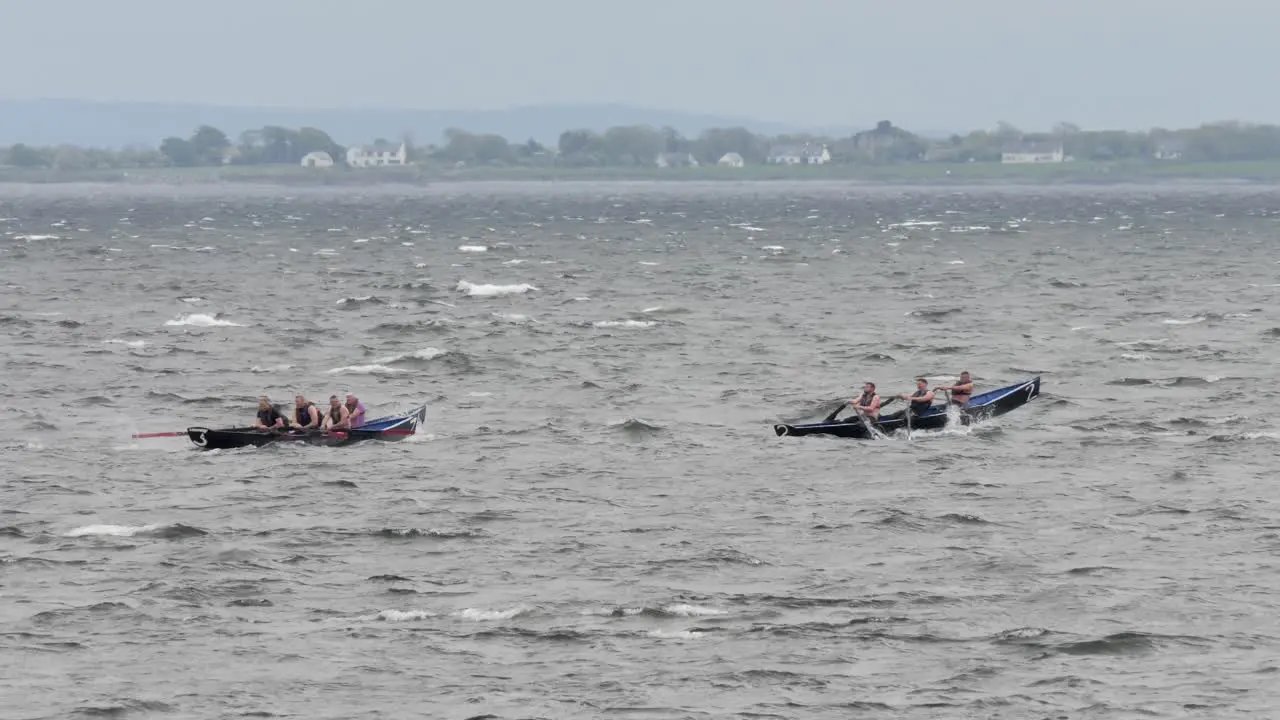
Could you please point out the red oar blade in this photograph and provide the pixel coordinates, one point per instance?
(143, 436)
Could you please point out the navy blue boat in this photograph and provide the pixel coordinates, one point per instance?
(987, 405)
(390, 429)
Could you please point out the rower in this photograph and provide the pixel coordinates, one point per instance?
(921, 399)
(305, 414)
(356, 409)
(868, 405)
(961, 391)
(337, 418)
(268, 417)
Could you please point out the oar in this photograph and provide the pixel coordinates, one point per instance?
(832, 417)
(871, 433)
(142, 436)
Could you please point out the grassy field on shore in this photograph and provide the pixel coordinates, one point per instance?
(916, 173)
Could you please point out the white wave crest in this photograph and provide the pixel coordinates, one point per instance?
(475, 290)
(514, 318)
(201, 320)
(127, 343)
(624, 324)
(472, 248)
(111, 530)
(365, 370)
(404, 615)
(687, 610)
(675, 634)
(481, 615)
(427, 353)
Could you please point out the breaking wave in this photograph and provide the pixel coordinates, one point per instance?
(202, 320)
(475, 290)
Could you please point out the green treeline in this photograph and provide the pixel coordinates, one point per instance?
(637, 146)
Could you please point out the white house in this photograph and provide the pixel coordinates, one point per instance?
(1040, 151)
(731, 159)
(318, 159)
(375, 156)
(1169, 149)
(675, 159)
(806, 154)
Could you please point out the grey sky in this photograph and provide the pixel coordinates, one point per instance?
(950, 65)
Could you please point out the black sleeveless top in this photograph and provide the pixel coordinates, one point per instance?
(302, 416)
(918, 407)
(335, 413)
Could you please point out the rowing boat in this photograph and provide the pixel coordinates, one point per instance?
(390, 429)
(980, 407)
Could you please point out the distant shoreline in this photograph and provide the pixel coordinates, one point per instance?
(922, 174)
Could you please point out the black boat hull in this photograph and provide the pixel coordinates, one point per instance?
(981, 407)
(390, 429)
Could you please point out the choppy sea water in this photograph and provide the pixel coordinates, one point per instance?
(596, 519)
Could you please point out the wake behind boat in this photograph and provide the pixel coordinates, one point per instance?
(981, 407)
(388, 429)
